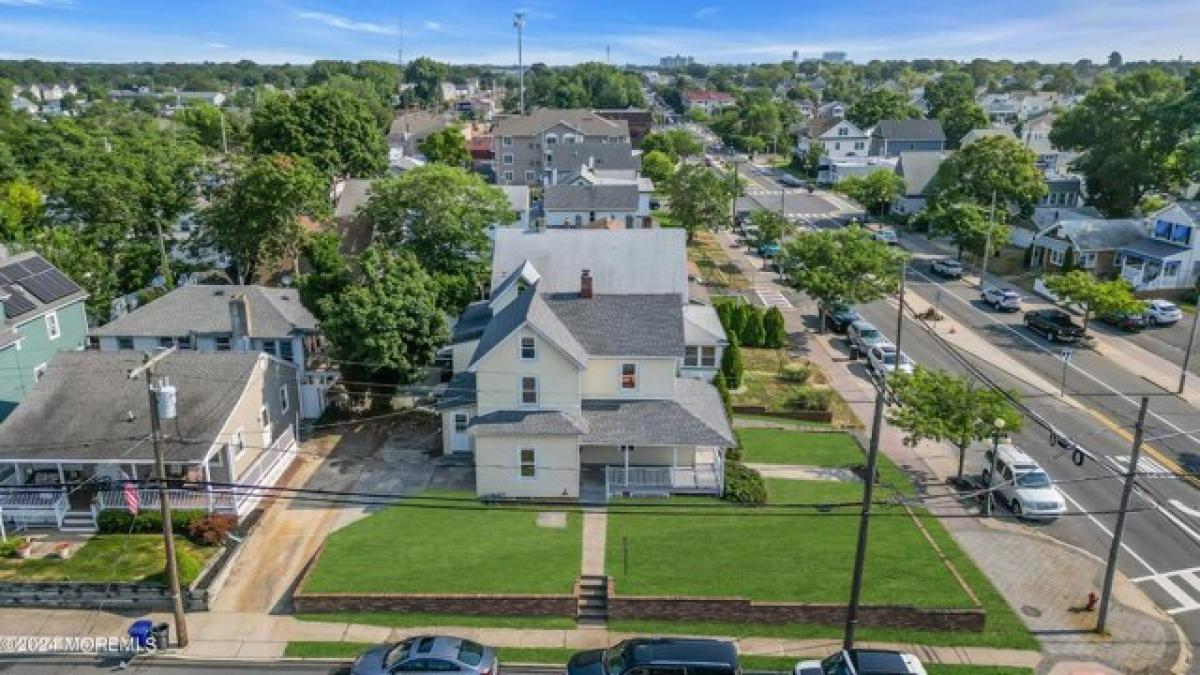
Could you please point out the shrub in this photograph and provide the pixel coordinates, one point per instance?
(810, 398)
(744, 485)
(737, 322)
(731, 364)
(776, 334)
(723, 391)
(796, 372)
(753, 334)
(145, 522)
(211, 529)
(8, 549)
(725, 312)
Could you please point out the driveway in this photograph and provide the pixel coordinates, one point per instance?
(398, 457)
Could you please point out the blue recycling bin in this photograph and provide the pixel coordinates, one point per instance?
(140, 631)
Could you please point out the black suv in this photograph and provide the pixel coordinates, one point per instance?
(660, 656)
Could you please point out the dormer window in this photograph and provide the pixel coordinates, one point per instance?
(528, 348)
(843, 131)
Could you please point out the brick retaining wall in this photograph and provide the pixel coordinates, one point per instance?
(741, 610)
(434, 603)
(824, 416)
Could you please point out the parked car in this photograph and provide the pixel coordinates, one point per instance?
(428, 654)
(680, 656)
(840, 316)
(1128, 322)
(862, 662)
(1021, 484)
(1003, 299)
(947, 268)
(882, 359)
(1055, 324)
(789, 180)
(768, 249)
(862, 336)
(1162, 313)
(887, 235)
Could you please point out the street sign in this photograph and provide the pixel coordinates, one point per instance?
(1065, 354)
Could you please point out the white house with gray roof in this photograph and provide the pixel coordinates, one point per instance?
(206, 318)
(580, 205)
(528, 147)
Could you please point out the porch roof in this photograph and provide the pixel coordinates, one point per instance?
(1153, 248)
(527, 423)
(695, 417)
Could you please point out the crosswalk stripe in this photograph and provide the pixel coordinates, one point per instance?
(1146, 465)
(1186, 603)
(1191, 579)
(1181, 595)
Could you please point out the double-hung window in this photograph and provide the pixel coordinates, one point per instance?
(528, 348)
(691, 356)
(708, 356)
(528, 461)
(52, 328)
(529, 391)
(628, 376)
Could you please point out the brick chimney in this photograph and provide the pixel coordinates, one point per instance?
(585, 284)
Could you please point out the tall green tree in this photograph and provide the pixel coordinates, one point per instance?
(1094, 296)
(961, 118)
(994, 166)
(938, 406)
(771, 227)
(329, 127)
(675, 143)
(968, 225)
(657, 166)
(699, 199)
(387, 325)
(847, 265)
(1125, 138)
(876, 191)
(212, 127)
(256, 218)
(426, 76)
(881, 104)
(731, 363)
(328, 273)
(953, 88)
(775, 328)
(448, 147)
(20, 210)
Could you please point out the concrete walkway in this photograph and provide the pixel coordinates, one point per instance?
(801, 472)
(595, 536)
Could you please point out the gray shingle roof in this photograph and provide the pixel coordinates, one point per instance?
(695, 417)
(529, 308)
(622, 325)
(80, 409)
(472, 322)
(204, 309)
(539, 119)
(977, 134)
(910, 130)
(1155, 248)
(527, 422)
(608, 156)
(460, 391)
(918, 168)
(1101, 234)
(590, 198)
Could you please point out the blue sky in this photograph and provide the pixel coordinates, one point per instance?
(568, 31)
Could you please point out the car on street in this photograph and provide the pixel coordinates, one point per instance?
(1125, 321)
(789, 180)
(1055, 324)
(887, 235)
(428, 654)
(768, 249)
(1003, 299)
(862, 336)
(839, 316)
(947, 268)
(637, 656)
(863, 662)
(883, 361)
(1020, 483)
(1162, 313)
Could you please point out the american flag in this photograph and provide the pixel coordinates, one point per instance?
(132, 499)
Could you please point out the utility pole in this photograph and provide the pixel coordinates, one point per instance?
(400, 62)
(900, 310)
(733, 206)
(164, 263)
(987, 244)
(864, 522)
(1114, 551)
(990, 502)
(161, 393)
(1187, 354)
(519, 24)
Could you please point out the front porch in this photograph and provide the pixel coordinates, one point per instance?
(659, 471)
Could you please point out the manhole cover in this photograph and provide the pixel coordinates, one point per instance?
(1029, 610)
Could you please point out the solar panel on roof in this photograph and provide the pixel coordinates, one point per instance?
(35, 265)
(49, 285)
(17, 304)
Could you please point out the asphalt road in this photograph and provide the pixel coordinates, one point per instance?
(88, 665)
(1161, 551)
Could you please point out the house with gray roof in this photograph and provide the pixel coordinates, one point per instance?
(527, 147)
(580, 205)
(917, 168)
(889, 138)
(82, 434)
(206, 318)
(579, 395)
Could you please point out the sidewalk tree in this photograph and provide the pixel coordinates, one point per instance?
(771, 227)
(387, 325)
(847, 265)
(1093, 296)
(876, 191)
(776, 331)
(699, 199)
(731, 363)
(994, 165)
(675, 143)
(881, 104)
(657, 166)
(755, 333)
(966, 224)
(448, 147)
(936, 405)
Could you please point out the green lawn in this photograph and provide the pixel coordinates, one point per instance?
(459, 547)
(112, 557)
(782, 421)
(456, 620)
(775, 446)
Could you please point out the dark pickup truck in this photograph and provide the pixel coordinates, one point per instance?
(1055, 324)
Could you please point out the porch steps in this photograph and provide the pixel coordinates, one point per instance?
(593, 600)
(79, 521)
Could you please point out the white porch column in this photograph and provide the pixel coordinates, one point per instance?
(208, 486)
(62, 477)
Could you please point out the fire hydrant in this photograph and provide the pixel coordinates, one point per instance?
(1092, 599)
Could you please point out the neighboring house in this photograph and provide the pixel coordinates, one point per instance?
(578, 396)
(83, 431)
(977, 134)
(640, 121)
(1000, 108)
(568, 161)
(1035, 134)
(889, 138)
(526, 147)
(1090, 244)
(917, 169)
(833, 171)
(704, 341)
(215, 98)
(832, 110)
(711, 102)
(518, 202)
(579, 205)
(841, 138)
(42, 312)
(409, 129)
(18, 103)
(1062, 190)
(206, 318)
(645, 186)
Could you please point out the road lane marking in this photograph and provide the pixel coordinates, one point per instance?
(1146, 465)
(1105, 530)
(1182, 585)
(1184, 509)
(1186, 603)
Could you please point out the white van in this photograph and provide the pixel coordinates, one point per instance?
(1021, 484)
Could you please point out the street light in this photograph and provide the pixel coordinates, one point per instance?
(519, 24)
(998, 425)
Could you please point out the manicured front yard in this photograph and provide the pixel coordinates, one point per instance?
(112, 557)
(775, 446)
(458, 546)
(764, 385)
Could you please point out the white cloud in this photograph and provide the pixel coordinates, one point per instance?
(433, 26)
(37, 3)
(705, 12)
(345, 23)
(216, 45)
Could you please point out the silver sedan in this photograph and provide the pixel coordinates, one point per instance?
(428, 654)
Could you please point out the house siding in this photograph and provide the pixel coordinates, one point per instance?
(262, 390)
(580, 218)
(611, 455)
(19, 362)
(461, 353)
(497, 466)
(500, 372)
(655, 378)
(892, 148)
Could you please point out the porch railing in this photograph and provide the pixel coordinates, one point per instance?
(178, 499)
(705, 478)
(30, 507)
(265, 469)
